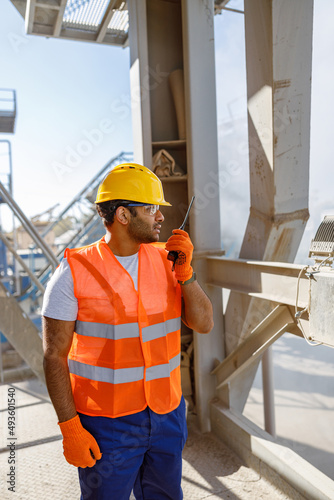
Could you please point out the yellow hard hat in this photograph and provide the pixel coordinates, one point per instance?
(131, 181)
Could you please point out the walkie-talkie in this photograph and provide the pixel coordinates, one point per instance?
(173, 255)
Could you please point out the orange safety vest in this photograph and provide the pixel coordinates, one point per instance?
(125, 352)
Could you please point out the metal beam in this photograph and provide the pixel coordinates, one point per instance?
(278, 59)
(268, 392)
(278, 464)
(28, 226)
(271, 281)
(253, 346)
(279, 93)
(30, 16)
(114, 4)
(139, 80)
(202, 160)
(221, 4)
(47, 4)
(80, 35)
(21, 262)
(91, 186)
(59, 20)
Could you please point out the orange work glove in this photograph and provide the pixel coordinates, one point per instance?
(78, 444)
(181, 243)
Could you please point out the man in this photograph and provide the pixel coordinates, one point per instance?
(111, 340)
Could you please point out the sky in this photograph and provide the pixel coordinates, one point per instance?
(65, 91)
(70, 92)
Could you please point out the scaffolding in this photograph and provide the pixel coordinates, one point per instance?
(7, 111)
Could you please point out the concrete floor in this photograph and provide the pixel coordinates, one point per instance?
(210, 470)
(304, 400)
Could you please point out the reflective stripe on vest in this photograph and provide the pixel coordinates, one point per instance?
(162, 371)
(106, 331)
(153, 332)
(123, 375)
(127, 330)
(102, 374)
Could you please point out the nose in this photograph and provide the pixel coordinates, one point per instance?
(159, 217)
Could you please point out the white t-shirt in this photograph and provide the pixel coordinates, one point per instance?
(59, 301)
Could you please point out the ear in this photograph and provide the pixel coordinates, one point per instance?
(122, 215)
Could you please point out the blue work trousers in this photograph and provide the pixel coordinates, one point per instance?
(140, 452)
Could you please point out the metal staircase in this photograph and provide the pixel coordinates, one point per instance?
(15, 322)
(79, 219)
(79, 224)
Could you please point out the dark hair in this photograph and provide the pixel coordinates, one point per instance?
(107, 210)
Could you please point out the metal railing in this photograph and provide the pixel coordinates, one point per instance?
(81, 210)
(7, 110)
(86, 194)
(29, 227)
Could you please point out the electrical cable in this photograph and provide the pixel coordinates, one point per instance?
(298, 314)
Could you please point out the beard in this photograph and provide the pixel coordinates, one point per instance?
(141, 231)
